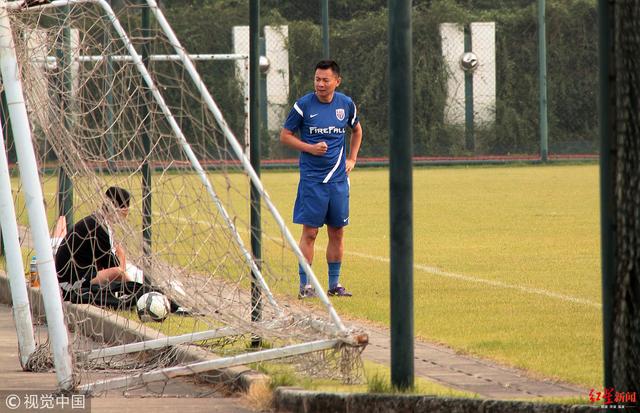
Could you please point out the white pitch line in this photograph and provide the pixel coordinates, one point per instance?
(499, 284)
(468, 278)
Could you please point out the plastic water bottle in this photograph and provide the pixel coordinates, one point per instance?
(33, 273)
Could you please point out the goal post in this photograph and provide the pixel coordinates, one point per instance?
(34, 199)
(15, 265)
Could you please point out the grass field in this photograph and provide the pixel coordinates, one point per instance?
(506, 260)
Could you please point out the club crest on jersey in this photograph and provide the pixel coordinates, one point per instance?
(340, 114)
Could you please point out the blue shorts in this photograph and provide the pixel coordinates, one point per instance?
(318, 204)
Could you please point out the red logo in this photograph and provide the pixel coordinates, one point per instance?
(610, 397)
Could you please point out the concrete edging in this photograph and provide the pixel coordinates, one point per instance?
(287, 399)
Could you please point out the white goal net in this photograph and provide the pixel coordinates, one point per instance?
(111, 104)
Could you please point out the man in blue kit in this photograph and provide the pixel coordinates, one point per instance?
(322, 119)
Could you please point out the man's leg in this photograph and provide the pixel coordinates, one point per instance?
(335, 250)
(337, 219)
(310, 211)
(307, 244)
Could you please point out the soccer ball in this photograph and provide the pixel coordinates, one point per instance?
(469, 61)
(153, 306)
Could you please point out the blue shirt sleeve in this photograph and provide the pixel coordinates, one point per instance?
(295, 118)
(353, 116)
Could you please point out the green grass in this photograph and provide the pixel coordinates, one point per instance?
(516, 252)
(534, 231)
(377, 379)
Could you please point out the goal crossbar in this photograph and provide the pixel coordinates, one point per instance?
(52, 60)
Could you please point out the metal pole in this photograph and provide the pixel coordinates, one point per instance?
(50, 60)
(4, 117)
(14, 263)
(146, 140)
(159, 343)
(607, 106)
(254, 151)
(469, 132)
(6, 124)
(247, 107)
(400, 192)
(108, 81)
(542, 81)
(262, 93)
(140, 379)
(35, 204)
(324, 6)
(65, 185)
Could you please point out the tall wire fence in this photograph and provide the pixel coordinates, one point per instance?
(490, 110)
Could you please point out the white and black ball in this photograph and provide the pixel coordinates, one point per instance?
(153, 306)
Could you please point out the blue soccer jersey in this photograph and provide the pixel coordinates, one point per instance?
(317, 122)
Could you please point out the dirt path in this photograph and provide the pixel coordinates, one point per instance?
(485, 378)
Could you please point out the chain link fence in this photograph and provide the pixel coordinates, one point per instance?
(491, 110)
(490, 107)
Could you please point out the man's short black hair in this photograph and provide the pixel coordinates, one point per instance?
(118, 196)
(329, 64)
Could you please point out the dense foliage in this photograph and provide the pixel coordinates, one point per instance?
(359, 43)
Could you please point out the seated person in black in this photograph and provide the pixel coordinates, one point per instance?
(91, 266)
(87, 255)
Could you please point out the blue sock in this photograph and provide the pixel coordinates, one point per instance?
(303, 276)
(334, 274)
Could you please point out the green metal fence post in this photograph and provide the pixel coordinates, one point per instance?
(146, 140)
(109, 96)
(263, 88)
(400, 192)
(324, 6)
(65, 185)
(542, 81)
(469, 132)
(7, 134)
(254, 150)
(606, 102)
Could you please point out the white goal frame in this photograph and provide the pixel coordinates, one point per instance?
(37, 216)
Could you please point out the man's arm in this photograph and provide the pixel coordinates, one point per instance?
(291, 140)
(122, 257)
(110, 265)
(356, 141)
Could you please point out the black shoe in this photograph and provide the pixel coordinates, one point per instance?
(339, 291)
